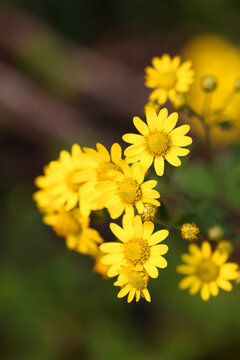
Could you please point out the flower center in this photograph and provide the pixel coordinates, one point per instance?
(107, 171)
(158, 143)
(167, 80)
(129, 191)
(66, 224)
(137, 251)
(207, 271)
(138, 279)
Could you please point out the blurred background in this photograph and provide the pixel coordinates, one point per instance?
(73, 71)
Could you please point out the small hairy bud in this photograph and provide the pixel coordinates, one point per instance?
(190, 231)
(215, 233)
(179, 102)
(149, 212)
(225, 246)
(208, 83)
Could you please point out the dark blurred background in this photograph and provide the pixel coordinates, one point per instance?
(73, 71)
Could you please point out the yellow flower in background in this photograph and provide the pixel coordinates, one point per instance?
(58, 189)
(206, 271)
(129, 191)
(99, 267)
(138, 247)
(102, 166)
(134, 282)
(75, 228)
(213, 55)
(158, 140)
(168, 77)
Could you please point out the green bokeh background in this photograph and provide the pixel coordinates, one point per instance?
(52, 307)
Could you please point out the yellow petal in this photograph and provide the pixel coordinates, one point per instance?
(181, 130)
(224, 284)
(229, 271)
(138, 228)
(159, 261)
(112, 258)
(213, 288)
(171, 122)
(185, 269)
(146, 294)
(123, 292)
(172, 159)
(159, 165)
(159, 249)
(186, 282)
(116, 153)
(119, 232)
(181, 140)
(141, 126)
(151, 118)
(151, 270)
(205, 292)
(111, 247)
(158, 236)
(206, 249)
(148, 228)
(133, 138)
(131, 295)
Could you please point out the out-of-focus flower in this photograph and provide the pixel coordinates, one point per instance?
(190, 231)
(158, 140)
(75, 228)
(153, 105)
(167, 76)
(212, 54)
(138, 246)
(99, 267)
(206, 271)
(215, 233)
(133, 281)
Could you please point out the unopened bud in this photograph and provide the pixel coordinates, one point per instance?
(190, 231)
(149, 212)
(208, 83)
(179, 101)
(215, 233)
(153, 105)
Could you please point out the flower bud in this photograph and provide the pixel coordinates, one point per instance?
(190, 231)
(208, 83)
(154, 105)
(215, 233)
(149, 212)
(179, 101)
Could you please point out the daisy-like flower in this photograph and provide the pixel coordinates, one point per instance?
(158, 140)
(168, 77)
(75, 228)
(57, 186)
(102, 166)
(138, 247)
(128, 191)
(134, 282)
(206, 271)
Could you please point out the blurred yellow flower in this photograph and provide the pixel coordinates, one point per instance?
(213, 55)
(206, 271)
(158, 140)
(129, 191)
(168, 77)
(139, 246)
(133, 281)
(58, 189)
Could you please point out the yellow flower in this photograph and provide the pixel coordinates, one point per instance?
(212, 54)
(99, 267)
(158, 140)
(134, 282)
(168, 77)
(206, 271)
(138, 247)
(75, 228)
(129, 191)
(102, 166)
(57, 186)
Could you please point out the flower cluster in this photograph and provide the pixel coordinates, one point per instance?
(87, 180)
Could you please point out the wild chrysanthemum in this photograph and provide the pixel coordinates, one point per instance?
(158, 140)
(129, 191)
(102, 166)
(138, 246)
(168, 77)
(75, 228)
(133, 281)
(206, 271)
(58, 189)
